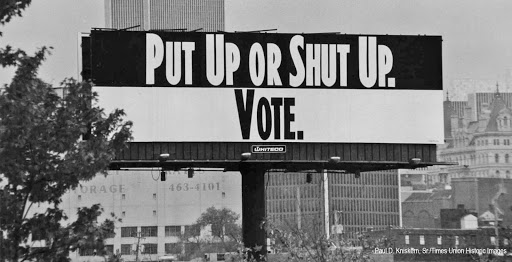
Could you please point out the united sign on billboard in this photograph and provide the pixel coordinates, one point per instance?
(253, 87)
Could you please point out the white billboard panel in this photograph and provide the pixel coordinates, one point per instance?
(279, 115)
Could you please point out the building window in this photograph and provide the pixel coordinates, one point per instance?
(507, 158)
(150, 248)
(173, 248)
(193, 230)
(149, 231)
(109, 250)
(422, 240)
(128, 231)
(154, 213)
(172, 231)
(497, 173)
(123, 196)
(79, 197)
(126, 249)
(497, 158)
(123, 214)
(154, 195)
(407, 239)
(456, 240)
(38, 234)
(493, 241)
(439, 240)
(86, 252)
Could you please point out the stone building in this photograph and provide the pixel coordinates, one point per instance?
(478, 138)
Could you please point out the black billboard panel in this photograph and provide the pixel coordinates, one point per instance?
(193, 59)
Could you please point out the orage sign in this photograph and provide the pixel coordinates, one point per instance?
(237, 87)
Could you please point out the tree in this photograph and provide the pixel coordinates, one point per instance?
(293, 244)
(11, 8)
(223, 223)
(43, 156)
(226, 233)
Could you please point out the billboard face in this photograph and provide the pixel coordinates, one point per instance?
(247, 87)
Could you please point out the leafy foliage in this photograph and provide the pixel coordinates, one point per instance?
(43, 156)
(310, 244)
(223, 223)
(11, 8)
(226, 234)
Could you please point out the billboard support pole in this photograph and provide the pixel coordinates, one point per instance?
(325, 183)
(253, 211)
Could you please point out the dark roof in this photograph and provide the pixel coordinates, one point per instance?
(420, 196)
(442, 194)
(429, 196)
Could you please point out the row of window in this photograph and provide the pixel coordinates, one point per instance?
(481, 142)
(123, 196)
(485, 173)
(480, 159)
(365, 205)
(422, 240)
(351, 191)
(129, 249)
(289, 179)
(346, 205)
(290, 192)
(354, 220)
(380, 178)
(152, 248)
(366, 178)
(471, 239)
(146, 248)
(278, 206)
(369, 219)
(152, 231)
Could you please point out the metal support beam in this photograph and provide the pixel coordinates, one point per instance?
(253, 211)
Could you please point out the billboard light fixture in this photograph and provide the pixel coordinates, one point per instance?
(414, 161)
(245, 156)
(335, 159)
(164, 157)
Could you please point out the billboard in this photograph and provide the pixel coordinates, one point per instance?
(252, 87)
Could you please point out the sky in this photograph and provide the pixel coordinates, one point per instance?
(477, 40)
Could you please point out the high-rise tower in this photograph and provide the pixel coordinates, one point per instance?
(189, 15)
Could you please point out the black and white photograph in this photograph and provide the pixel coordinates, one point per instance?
(248, 131)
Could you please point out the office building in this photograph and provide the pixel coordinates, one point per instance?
(479, 138)
(156, 214)
(179, 15)
(369, 202)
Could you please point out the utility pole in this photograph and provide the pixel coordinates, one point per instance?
(299, 225)
(326, 202)
(139, 236)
